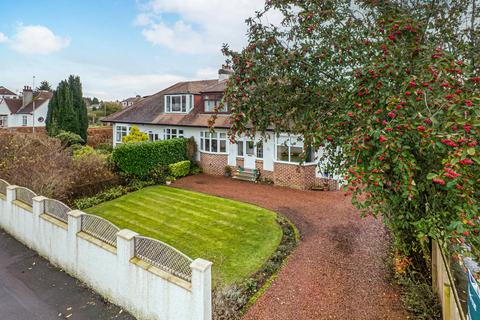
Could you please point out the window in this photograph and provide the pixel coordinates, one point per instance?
(289, 149)
(240, 148)
(214, 142)
(260, 150)
(24, 121)
(152, 136)
(3, 121)
(169, 133)
(181, 103)
(212, 104)
(121, 132)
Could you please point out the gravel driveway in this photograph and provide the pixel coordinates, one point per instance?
(337, 272)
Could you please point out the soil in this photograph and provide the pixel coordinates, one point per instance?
(339, 269)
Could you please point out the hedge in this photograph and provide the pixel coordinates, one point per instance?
(180, 169)
(138, 159)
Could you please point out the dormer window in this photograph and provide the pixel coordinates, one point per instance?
(179, 103)
(212, 104)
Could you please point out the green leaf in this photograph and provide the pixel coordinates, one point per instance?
(431, 176)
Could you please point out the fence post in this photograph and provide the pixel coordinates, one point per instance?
(38, 208)
(202, 289)
(125, 252)
(435, 266)
(11, 193)
(74, 227)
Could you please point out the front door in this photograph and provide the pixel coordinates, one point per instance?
(250, 156)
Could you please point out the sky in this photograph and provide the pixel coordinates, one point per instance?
(119, 48)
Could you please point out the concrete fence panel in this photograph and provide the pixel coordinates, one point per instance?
(146, 277)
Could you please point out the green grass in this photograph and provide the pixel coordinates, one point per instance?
(237, 237)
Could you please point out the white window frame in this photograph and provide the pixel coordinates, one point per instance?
(24, 121)
(211, 139)
(123, 130)
(291, 142)
(153, 136)
(189, 101)
(210, 105)
(3, 121)
(173, 133)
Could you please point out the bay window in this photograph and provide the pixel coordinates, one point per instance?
(290, 149)
(214, 142)
(179, 103)
(170, 133)
(121, 131)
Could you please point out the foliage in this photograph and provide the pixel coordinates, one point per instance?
(192, 149)
(69, 139)
(45, 166)
(159, 174)
(190, 221)
(139, 159)
(107, 195)
(44, 85)
(392, 86)
(135, 135)
(83, 151)
(228, 171)
(105, 109)
(67, 109)
(179, 169)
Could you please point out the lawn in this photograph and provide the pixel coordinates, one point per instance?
(237, 237)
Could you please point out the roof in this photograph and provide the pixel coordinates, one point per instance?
(15, 105)
(219, 86)
(5, 92)
(151, 110)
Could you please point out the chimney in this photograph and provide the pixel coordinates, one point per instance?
(224, 73)
(27, 95)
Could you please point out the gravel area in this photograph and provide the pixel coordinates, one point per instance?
(337, 272)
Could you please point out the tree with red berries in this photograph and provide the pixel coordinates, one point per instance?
(394, 86)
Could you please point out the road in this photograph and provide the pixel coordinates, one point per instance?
(33, 289)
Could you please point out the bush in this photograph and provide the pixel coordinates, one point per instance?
(107, 195)
(83, 151)
(135, 135)
(179, 169)
(159, 174)
(69, 139)
(138, 159)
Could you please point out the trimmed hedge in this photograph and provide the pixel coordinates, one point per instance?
(138, 159)
(179, 169)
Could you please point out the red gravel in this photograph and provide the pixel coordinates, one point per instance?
(337, 272)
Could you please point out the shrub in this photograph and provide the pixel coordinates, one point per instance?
(159, 174)
(191, 149)
(69, 139)
(135, 135)
(180, 169)
(138, 159)
(107, 195)
(83, 151)
(228, 171)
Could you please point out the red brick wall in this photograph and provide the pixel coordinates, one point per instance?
(213, 163)
(294, 176)
(331, 183)
(264, 174)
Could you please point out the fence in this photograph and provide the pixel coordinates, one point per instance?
(447, 286)
(3, 187)
(149, 278)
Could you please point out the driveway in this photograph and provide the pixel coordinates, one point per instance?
(338, 270)
(31, 288)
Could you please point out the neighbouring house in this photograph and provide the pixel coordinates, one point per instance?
(130, 101)
(5, 93)
(28, 110)
(184, 110)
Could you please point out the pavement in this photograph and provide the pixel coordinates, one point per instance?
(33, 289)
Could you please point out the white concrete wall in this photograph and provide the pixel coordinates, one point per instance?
(16, 120)
(145, 291)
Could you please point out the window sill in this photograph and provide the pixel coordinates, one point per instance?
(305, 164)
(209, 152)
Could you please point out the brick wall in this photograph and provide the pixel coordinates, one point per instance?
(294, 176)
(213, 163)
(332, 185)
(264, 174)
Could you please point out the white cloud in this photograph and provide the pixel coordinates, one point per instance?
(3, 38)
(207, 73)
(142, 84)
(202, 25)
(37, 40)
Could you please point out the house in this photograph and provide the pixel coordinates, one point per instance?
(5, 93)
(185, 109)
(26, 111)
(130, 101)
